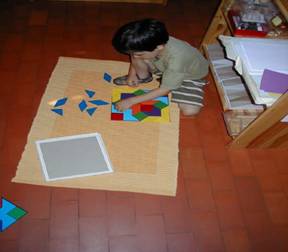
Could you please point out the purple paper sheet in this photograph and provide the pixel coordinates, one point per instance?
(274, 82)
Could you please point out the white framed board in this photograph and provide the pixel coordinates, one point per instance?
(73, 156)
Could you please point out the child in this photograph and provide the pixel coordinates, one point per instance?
(153, 51)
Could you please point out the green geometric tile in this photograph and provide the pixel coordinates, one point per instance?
(16, 213)
(140, 116)
(139, 92)
(160, 105)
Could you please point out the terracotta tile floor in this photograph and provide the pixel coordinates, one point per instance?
(227, 200)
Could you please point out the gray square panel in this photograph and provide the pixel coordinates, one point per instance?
(73, 156)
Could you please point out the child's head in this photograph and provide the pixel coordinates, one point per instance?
(139, 36)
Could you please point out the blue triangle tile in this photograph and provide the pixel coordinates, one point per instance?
(107, 77)
(90, 93)
(82, 105)
(58, 111)
(91, 111)
(99, 102)
(61, 102)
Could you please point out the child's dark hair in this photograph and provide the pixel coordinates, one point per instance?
(140, 35)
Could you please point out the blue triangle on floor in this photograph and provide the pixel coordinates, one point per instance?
(90, 93)
(82, 105)
(61, 102)
(58, 111)
(107, 77)
(99, 102)
(91, 111)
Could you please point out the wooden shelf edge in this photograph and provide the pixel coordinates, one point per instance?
(264, 122)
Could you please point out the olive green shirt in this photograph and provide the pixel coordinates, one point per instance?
(180, 61)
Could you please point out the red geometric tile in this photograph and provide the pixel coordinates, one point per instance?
(136, 109)
(117, 116)
(146, 107)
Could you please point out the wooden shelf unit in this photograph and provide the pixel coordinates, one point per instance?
(267, 130)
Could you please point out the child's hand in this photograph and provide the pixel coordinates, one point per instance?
(123, 105)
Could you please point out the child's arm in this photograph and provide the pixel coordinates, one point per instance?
(127, 103)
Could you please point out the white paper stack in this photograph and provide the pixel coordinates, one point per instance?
(252, 56)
